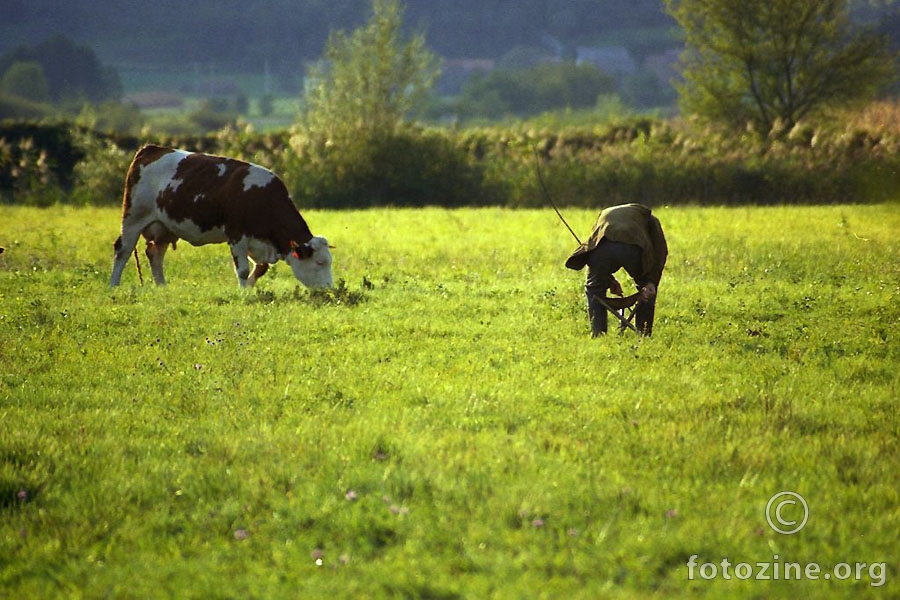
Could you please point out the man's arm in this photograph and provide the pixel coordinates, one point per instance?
(660, 250)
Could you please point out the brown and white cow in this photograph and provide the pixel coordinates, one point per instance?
(173, 194)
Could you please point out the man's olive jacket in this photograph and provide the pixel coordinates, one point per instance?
(629, 224)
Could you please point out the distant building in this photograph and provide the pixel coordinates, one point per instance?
(455, 72)
(612, 60)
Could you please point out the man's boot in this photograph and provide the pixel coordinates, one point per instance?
(597, 315)
(643, 317)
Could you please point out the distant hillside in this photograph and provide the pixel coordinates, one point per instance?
(172, 45)
(285, 33)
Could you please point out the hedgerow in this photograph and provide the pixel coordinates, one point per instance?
(853, 158)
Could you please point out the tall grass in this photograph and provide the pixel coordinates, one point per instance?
(442, 425)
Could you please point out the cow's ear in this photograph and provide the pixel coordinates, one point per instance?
(302, 251)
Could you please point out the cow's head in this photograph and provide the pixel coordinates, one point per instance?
(311, 262)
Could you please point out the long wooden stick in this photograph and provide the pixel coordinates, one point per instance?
(547, 194)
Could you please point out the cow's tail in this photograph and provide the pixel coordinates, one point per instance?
(137, 263)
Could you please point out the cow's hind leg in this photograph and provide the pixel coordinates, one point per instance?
(123, 247)
(158, 240)
(156, 252)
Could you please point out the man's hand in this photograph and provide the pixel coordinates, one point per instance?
(614, 287)
(648, 292)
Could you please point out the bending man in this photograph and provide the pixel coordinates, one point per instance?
(629, 237)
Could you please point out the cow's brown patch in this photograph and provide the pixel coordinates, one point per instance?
(209, 191)
(146, 155)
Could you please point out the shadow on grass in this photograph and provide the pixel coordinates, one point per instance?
(339, 295)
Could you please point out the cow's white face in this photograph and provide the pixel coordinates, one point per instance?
(314, 270)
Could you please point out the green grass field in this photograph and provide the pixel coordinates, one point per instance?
(442, 425)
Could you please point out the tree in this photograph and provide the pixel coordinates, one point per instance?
(355, 144)
(26, 80)
(541, 88)
(773, 63)
(266, 104)
(73, 72)
(370, 81)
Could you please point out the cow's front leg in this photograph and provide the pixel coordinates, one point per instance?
(241, 263)
(258, 272)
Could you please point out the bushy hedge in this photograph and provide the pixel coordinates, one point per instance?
(642, 160)
(30, 149)
(657, 162)
(411, 167)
